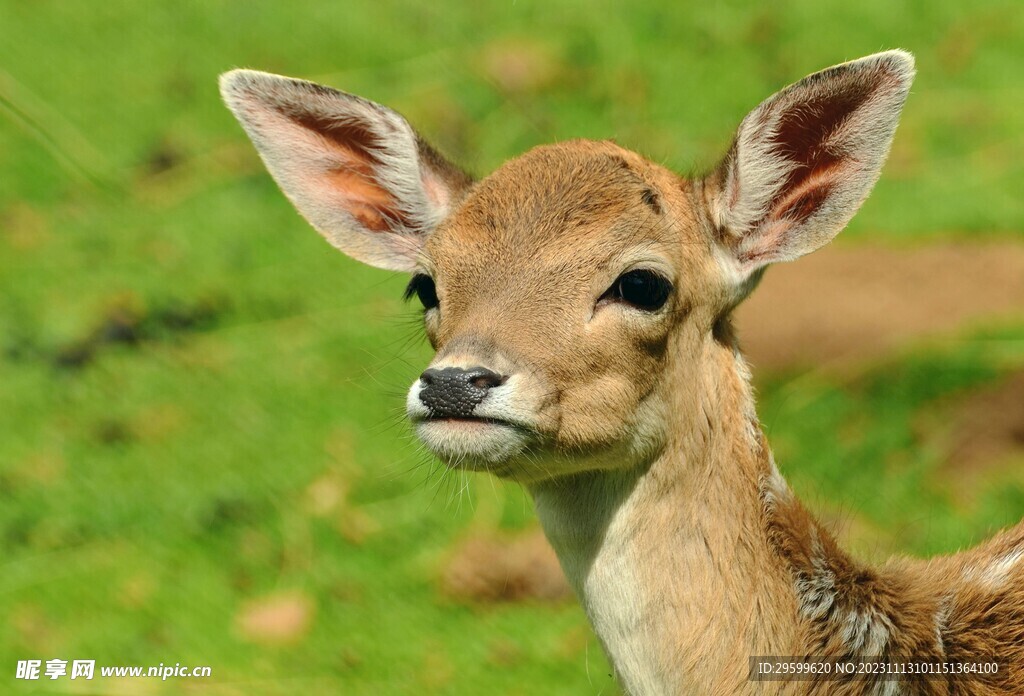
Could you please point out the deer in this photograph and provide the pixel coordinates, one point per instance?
(578, 301)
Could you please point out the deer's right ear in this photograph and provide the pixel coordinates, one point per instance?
(356, 170)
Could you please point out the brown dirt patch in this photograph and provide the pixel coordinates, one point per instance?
(848, 304)
(987, 427)
(980, 438)
(501, 569)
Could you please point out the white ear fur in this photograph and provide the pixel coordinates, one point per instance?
(805, 159)
(355, 169)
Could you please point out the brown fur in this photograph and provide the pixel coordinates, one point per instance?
(635, 430)
(933, 611)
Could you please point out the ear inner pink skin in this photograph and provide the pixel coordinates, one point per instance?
(355, 148)
(372, 206)
(356, 170)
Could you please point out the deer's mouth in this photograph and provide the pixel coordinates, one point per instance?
(472, 442)
(456, 420)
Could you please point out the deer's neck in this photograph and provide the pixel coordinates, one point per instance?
(672, 560)
(691, 563)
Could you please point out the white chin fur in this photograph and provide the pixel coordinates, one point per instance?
(472, 444)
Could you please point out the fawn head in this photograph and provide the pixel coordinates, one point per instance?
(567, 292)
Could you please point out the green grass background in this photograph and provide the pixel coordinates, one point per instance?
(182, 358)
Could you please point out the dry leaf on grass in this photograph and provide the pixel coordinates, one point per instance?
(275, 619)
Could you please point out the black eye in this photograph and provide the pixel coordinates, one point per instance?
(423, 287)
(641, 288)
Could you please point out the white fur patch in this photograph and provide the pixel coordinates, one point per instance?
(941, 619)
(816, 591)
(607, 572)
(996, 572)
(866, 631)
(999, 571)
(774, 489)
(749, 409)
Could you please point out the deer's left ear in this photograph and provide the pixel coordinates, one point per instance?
(805, 159)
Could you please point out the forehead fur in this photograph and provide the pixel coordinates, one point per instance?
(566, 192)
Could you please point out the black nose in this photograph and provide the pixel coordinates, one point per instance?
(454, 392)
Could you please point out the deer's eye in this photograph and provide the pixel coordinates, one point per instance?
(642, 288)
(423, 287)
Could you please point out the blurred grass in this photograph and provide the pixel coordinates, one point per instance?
(185, 364)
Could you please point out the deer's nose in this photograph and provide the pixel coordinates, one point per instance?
(453, 392)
